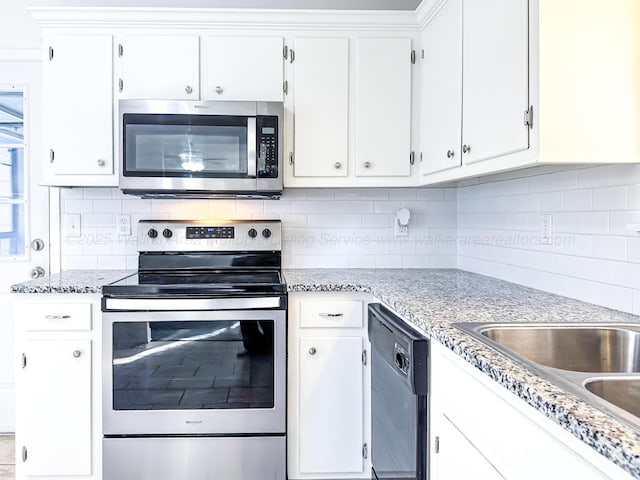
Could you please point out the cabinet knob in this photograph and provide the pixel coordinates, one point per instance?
(312, 351)
(367, 164)
(37, 272)
(466, 148)
(219, 90)
(450, 153)
(101, 162)
(188, 89)
(77, 353)
(338, 165)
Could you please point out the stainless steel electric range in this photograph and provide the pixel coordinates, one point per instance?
(194, 355)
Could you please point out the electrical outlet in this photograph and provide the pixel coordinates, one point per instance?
(72, 223)
(124, 224)
(401, 230)
(546, 229)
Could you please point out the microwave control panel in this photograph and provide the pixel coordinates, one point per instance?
(267, 146)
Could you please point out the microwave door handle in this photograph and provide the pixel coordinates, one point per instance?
(251, 148)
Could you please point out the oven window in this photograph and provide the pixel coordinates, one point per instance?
(184, 146)
(193, 365)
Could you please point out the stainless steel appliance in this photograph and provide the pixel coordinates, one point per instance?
(194, 355)
(399, 379)
(201, 149)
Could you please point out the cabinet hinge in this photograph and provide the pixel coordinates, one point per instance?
(285, 52)
(120, 50)
(285, 87)
(24, 361)
(365, 451)
(52, 156)
(120, 85)
(437, 445)
(528, 117)
(413, 57)
(364, 357)
(292, 55)
(412, 158)
(50, 53)
(291, 158)
(24, 454)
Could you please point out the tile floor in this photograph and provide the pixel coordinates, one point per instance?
(7, 458)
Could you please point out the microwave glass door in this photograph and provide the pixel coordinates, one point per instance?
(189, 146)
(191, 365)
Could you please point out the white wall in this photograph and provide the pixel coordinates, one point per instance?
(19, 30)
(323, 228)
(593, 258)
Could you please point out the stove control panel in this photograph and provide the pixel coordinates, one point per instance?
(209, 236)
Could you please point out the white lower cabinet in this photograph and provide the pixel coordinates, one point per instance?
(328, 430)
(480, 430)
(58, 407)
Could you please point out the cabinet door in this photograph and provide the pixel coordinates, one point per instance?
(160, 67)
(331, 398)
(383, 107)
(57, 382)
(441, 101)
(321, 106)
(496, 72)
(458, 457)
(77, 104)
(243, 68)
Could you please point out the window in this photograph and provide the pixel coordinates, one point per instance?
(12, 181)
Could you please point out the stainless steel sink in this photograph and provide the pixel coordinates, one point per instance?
(600, 363)
(579, 348)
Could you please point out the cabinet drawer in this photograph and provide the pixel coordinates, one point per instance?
(57, 316)
(331, 314)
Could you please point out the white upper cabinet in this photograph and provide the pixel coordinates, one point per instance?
(243, 68)
(383, 107)
(476, 83)
(441, 94)
(159, 67)
(321, 107)
(78, 109)
(495, 78)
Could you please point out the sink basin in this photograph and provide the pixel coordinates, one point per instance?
(600, 363)
(579, 348)
(622, 392)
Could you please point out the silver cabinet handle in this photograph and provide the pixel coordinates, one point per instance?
(291, 161)
(24, 454)
(338, 165)
(450, 153)
(332, 315)
(466, 148)
(188, 89)
(219, 90)
(312, 351)
(367, 164)
(37, 272)
(57, 317)
(77, 353)
(101, 162)
(52, 156)
(37, 245)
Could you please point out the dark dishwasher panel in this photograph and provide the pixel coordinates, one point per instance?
(399, 379)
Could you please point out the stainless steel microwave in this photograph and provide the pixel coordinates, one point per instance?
(201, 149)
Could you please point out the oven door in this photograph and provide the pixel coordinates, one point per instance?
(215, 372)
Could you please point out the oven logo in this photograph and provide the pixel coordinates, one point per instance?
(193, 422)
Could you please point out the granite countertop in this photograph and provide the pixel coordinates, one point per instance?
(433, 300)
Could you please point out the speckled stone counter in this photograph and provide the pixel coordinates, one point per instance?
(72, 281)
(435, 299)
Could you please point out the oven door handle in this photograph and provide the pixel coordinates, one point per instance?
(177, 304)
(251, 148)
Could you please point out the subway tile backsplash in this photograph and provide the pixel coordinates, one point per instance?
(323, 228)
(492, 228)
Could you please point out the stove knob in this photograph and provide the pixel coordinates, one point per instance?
(252, 233)
(266, 233)
(152, 233)
(166, 233)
